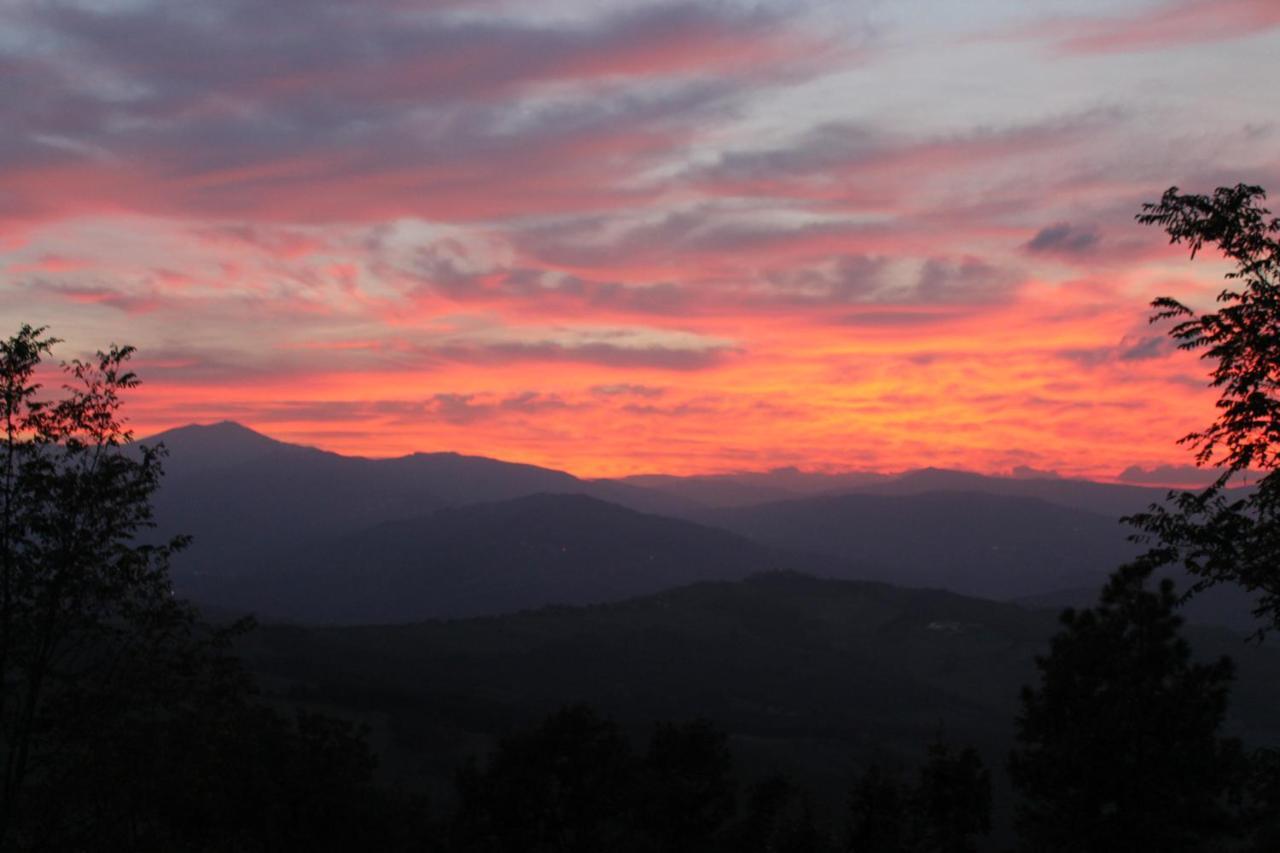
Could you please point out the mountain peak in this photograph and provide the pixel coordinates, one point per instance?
(223, 427)
(219, 431)
(220, 443)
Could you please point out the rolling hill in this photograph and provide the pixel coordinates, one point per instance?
(994, 546)
(487, 559)
(252, 503)
(743, 489)
(811, 676)
(1112, 500)
(293, 532)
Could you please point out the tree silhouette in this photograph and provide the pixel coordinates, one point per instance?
(953, 800)
(86, 612)
(686, 786)
(566, 785)
(126, 723)
(777, 818)
(1219, 537)
(1119, 745)
(572, 783)
(946, 811)
(1262, 800)
(879, 814)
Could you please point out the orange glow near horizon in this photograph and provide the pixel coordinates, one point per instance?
(678, 238)
(1034, 383)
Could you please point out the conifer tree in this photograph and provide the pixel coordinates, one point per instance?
(1119, 746)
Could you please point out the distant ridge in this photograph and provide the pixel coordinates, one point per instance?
(741, 489)
(228, 443)
(491, 558)
(250, 500)
(1109, 499)
(377, 534)
(974, 543)
(745, 489)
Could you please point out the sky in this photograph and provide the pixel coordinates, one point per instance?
(619, 237)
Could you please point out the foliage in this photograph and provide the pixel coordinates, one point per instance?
(686, 786)
(1119, 746)
(86, 613)
(565, 786)
(572, 783)
(1261, 807)
(946, 811)
(879, 809)
(953, 800)
(1218, 536)
(125, 723)
(777, 817)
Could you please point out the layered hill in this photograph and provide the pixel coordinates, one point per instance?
(994, 546)
(748, 488)
(812, 676)
(487, 559)
(251, 502)
(293, 532)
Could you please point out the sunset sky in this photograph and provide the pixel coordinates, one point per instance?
(617, 238)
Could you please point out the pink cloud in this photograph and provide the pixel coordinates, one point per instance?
(50, 263)
(1176, 23)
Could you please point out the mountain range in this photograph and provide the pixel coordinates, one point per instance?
(296, 533)
(488, 558)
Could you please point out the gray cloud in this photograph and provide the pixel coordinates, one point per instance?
(1026, 472)
(836, 147)
(705, 228)
(680, 410)
(966, 281)
(1145, 348)
(466, 408)
(451, 407)
(1130, 349)
(1169, 475)
(603, 353)
(262, 98)
(1065, 238)
(627, 389)
(892, 318)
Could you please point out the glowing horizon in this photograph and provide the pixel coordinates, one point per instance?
(626, 238)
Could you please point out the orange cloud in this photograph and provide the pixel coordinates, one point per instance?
(690, 237)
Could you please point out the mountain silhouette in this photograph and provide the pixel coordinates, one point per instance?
(301, 533)
(250, 501)
(994, 546)
(725, 490)
(1108, 499)
(752, 487)
(487, 559)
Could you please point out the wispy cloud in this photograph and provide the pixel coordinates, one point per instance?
(1171, 24)
(692, 235)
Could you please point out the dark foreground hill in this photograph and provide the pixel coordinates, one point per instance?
(811, 676)
(488, 559)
